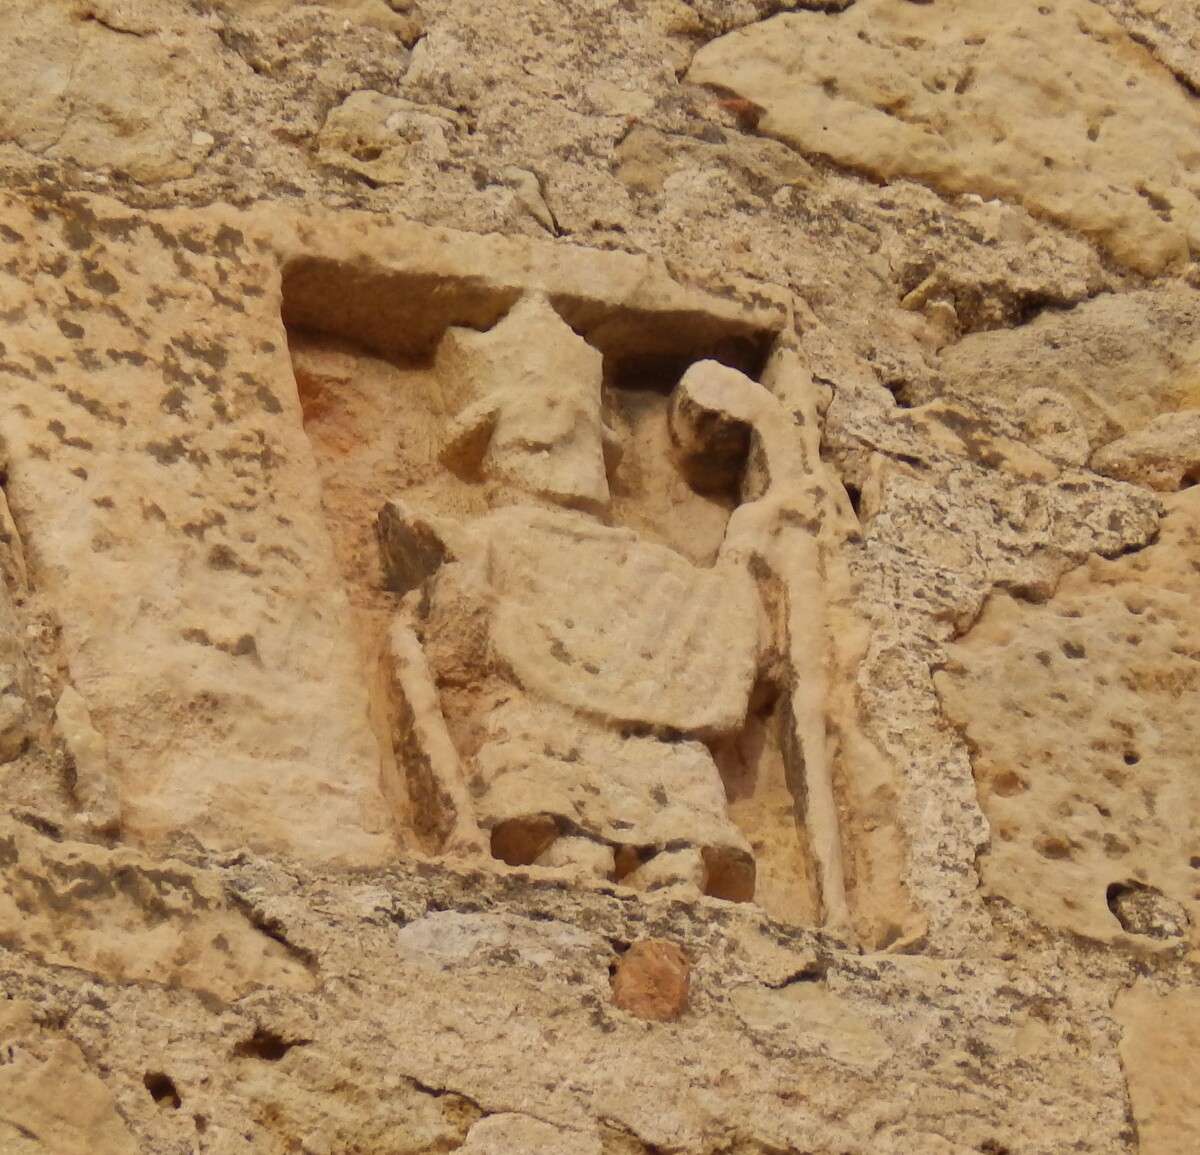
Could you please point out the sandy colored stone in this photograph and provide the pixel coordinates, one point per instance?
(874, 997)
(369, 282)
(810, 1014)
(93, 784)
(1120, 361)
(215, 661)
(974, 101)
(509, 1133)
(127, 918)
(313, 1097)
(1164, 455)
(526, 403)
(88, 84)
(438, 805)
(392, 17)
(671, 868)
(651, 981)
(583, 854)
(659, 642)
(15, 719)
(1171, 28)
(1076, 714)
(1050, 424)
(626, 791)
(1160, 1034)
(381, 137)
(51, 1101)
(523, 963)
(556, 699)
(579, 715)
(248, 715)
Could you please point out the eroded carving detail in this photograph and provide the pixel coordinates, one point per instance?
(567, 691)
(606, 612)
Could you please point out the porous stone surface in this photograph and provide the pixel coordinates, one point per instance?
(604, 578)
(1089, 795)
(1044, 104)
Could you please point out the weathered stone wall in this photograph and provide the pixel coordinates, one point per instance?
(605, 578)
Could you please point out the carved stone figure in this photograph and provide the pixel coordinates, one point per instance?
(561, 683)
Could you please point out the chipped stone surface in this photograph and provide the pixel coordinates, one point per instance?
(981, 1046)
(971, 102)
(509, 1133)
(381, 137)
(50, 1100)
(1165, 455)
(809, 1014)
(102, 86)
(1171, 29)
(1120, 361)
(471, 501)
(127, 918)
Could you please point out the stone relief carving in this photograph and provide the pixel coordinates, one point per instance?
(567, 691)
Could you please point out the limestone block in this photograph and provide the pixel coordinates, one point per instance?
(98, 91)
(395, 288)
(527, 398)
(1042, 103)
(51, 1102)
(314, 1097)
(1077, 714)
(1120, 361)
(159, 450)
(128, 918)
(541, 762)
(390, 15)
(1171, 28)
(810, 1014)
(450, 938)
(949, 427)
(1051, 425)
(1165, 455)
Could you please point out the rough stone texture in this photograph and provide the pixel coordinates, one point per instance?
(1120, 361)
(432, 978)
(52, 1102)
(128, 918)
(473, 500)
(1044, 104)
(1164, 455)
(1077, 714)
(1170, 28)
